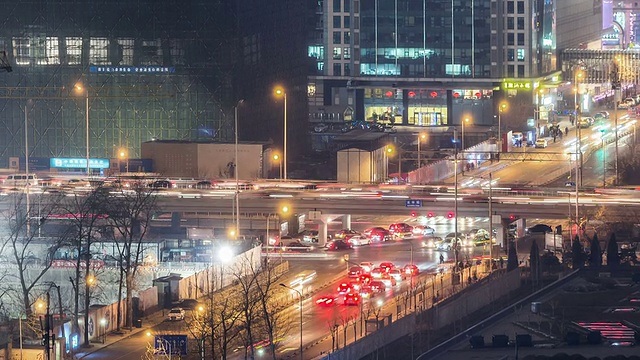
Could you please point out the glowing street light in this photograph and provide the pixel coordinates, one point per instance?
(280, 92)
(82, 90)
(421, 138)
(501, 109)
(278, 159)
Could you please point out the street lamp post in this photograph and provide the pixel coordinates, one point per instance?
(276, 157)
(421, 137)
(604, 158)
(283, 93)
(502, 108)
(466, 120)
(86, 111)
(300, 297)
(235, 167)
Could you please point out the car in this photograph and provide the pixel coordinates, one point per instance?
(386, 266)
(605, 114)
(205, 184)
(397, 274)
(411, 269)
(322, 127)
(539, 228)
(447, 244)
(377, 272)
(462, 239)
(378, 234)
(326, 300)
(161, 184)
(352, 299)
(542, 143)
(358, 240)
(309, 236)
(365, 279)
(423, 230)
(388, 280)
(377, 286)
(344, 288)
(346, 234)
(298, 246)
(401, 230)
(366, 292)
(355, 271)
(338, 245)
(176, 314)
(585, 122)
(431, 242)
(366, 266)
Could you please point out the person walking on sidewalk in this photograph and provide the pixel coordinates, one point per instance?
(566, 131)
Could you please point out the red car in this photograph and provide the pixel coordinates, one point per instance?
(366, 292)
(344, 288)
(346, 234)
(352, 299)
(365, 279)
(377, 286)
(378, 234)
(400, 229)
(411, 270)
(355, 271)
(326, 301)
(377, 272)
(386, 266)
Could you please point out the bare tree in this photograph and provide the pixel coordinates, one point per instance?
(22, 245)
(87, 217)
(130, 213)
(275, 323)
(249, 302)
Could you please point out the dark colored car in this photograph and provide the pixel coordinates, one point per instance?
(378, 234)
(205, 184)
(161, 184)
(338, 245)
(539, 228)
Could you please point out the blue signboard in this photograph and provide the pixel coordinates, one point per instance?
(78, 163)
(170, 344)
(132, 69)
(413, 203)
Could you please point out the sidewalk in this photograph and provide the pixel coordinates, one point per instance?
(112, 338)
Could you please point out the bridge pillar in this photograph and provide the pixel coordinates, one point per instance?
(322, 232)
(346, 221)
(176, 218)
(498, 223)
(521, 225)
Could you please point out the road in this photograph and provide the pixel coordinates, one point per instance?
(316, 319)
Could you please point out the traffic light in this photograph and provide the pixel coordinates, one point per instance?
(414, 214)
(45, 339)
(430, 214)
(513, 217)
(451, 215)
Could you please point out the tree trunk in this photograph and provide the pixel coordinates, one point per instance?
(129, 302)
(119, 309)
(87, 300)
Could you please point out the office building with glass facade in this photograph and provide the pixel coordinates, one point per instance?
(142, 70)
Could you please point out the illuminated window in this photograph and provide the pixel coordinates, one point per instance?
(521, 54)
(52, 52)
(316, 52)
(126, 51)
(22, 51)
(336, 53)
(74, 50)
(346, 53)
(98, 51)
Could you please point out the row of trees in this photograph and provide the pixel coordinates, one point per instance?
(248, 315)
(109, 213)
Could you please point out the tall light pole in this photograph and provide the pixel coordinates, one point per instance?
(604, 158)
(85, 90)
(421, 137)
(300, 297)
(466, 120)
(578, 76)
(235, 167)
(501, 109)
(278, 159)
(281, 92)
(26, 167)
(616, 96)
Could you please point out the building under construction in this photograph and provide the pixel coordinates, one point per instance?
(132, 71)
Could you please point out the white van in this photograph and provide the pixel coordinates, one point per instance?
(18, 180)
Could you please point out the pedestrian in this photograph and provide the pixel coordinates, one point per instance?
(566, 131)
(501, 263)
(441, 259)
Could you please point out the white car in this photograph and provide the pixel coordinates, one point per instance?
(357, 240)
(432, 242)
(176, 314)
(541, 143)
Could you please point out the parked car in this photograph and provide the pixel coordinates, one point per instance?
(541, 143)
(338, 245)
(321, 128)
(176, 314)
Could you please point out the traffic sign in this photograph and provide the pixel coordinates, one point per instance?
(413, 203)
(170, 344)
